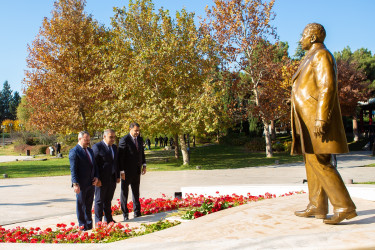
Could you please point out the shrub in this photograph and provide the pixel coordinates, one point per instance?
(34, 150)
(278, 146)
(287, 146)
(235, 139)
(256, 144)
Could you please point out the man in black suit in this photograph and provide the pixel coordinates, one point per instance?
(156, 141)
(161, 141)
(105, 153)
(84, 176)
(132, 163)
(58, 148)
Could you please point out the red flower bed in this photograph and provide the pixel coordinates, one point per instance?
(195, 206)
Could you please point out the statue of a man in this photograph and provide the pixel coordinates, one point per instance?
(318, 130)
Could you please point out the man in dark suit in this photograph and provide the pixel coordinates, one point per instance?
(105, 153)
(161, 141)
(165, 141)
(132, 163)
(156, 141)
(84, 176)
(58, 148)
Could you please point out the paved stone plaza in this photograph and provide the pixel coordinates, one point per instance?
(268, 224)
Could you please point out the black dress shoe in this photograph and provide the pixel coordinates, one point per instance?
(137, 215)
(338, 217)
(310, 213)
(126, 217)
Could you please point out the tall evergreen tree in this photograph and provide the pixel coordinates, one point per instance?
(5, 100)
(13, 104)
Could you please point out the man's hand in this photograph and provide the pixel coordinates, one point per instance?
(99, 183)
(320, 128)
(94, 181)
(77, 189)
(144, 170)
(123, 176)
(118, 180)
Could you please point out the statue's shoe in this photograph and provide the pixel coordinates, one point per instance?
(338, 217)
(310, 213)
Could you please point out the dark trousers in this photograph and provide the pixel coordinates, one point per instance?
(83, 207)
(134, 182)
(103, 199)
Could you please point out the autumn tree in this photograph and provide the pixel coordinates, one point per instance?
(356, 76)
(352, 88)
(65, 76)
(248, 42)
(166, 81)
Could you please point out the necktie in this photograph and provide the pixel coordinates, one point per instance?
(136, 143)
(87, 154)
(110, 150)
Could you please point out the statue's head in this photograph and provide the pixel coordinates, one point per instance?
(313, 33)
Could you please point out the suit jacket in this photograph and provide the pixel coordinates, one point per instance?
(81, 169)
(314, 97)
(106, 162)
(130, 159)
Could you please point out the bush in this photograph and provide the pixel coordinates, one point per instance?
(256, 144)
(287, 146)
(39, 149)
(34, 150)
(278, 146)
(235, 139)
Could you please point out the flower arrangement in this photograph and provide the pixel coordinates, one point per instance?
(194, 206)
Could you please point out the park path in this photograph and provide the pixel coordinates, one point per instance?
(9, 158)
(46, 201)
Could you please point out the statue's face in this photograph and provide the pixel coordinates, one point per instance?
(305, 40)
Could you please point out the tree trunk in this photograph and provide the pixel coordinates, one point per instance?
(176, 149)
(267, 136)
(355, 128)
(184, 150)
(193, 141)
(83, 117)
(273, 130)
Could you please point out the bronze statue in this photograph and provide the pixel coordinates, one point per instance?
(318, 130)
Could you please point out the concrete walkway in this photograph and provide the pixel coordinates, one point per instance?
(266, 224)
(8, 158)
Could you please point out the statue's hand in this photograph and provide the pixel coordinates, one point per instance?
(320, 128)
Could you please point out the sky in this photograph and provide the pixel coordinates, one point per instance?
(347, 23)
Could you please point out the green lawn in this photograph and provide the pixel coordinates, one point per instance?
(208, 157)
(50, 167)
(215, 157)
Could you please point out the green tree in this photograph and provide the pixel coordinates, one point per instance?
(299, 53)
(363, 58)
(166, 82)
(5, 101)
(16, 99)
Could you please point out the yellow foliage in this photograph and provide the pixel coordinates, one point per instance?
(11, 125)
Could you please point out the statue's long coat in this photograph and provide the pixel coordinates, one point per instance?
(314, 97)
